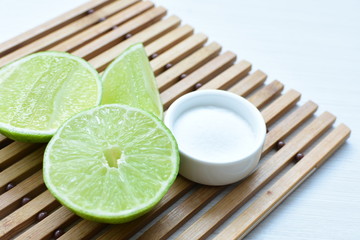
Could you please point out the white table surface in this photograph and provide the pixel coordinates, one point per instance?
(311, 46)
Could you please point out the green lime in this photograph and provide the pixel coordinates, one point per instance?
(130, 80)
(41, 91)
(111, 163)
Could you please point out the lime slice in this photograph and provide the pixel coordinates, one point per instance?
(129, 80)
(41, 91)
(111, 163)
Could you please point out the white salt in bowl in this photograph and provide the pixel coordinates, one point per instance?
(220, 136)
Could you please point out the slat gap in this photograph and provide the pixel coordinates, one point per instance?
(230, 76)
(187, 65)
(249, 83)
(289, 124)
(169, 40)
(4, 141)
(285, 102)
(178, 52)
(268, 92)
(116, 36)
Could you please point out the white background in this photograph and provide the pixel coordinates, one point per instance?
(311, 46)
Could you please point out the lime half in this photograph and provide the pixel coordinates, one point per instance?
(111, 163)
(130, 80)
(41, 91)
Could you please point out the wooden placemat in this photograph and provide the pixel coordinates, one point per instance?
(182, 61)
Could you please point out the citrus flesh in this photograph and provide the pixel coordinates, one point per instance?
(41, 91)
(129, 80)
(111, 163)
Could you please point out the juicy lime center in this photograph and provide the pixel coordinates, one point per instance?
(113, 156)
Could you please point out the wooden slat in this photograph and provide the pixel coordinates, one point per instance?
(123, 231)
(187, 65)
(22, 168)
(232, 74)
(223, 209)
(14, 151)
(178, 52)
(167, 225)
(169, 40)
(30, 187)
(201, 75)
(289, 124)
(145, 36)
(83, 230)
(55, 23)
(248, 84)
(284, 102)
(267, 92)
(106, 41)
(22, 217)
(67, 30)
(102, 27)
(241, 225)
(61, 216)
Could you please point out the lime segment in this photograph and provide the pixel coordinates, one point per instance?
(111, 163)
(129, 80)
(41, 91)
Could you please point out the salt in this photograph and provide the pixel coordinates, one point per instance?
(213, 134)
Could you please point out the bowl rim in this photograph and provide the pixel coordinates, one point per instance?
(175, 107)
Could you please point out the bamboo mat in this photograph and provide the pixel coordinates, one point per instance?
(183, 61)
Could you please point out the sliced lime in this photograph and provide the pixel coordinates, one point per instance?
(111, 163)
(41, 91)
(130, 80)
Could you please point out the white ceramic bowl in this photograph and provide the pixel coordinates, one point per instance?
(220, 136)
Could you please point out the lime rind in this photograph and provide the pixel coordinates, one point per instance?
(119, 216)
(25, 134)
(152, 101)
